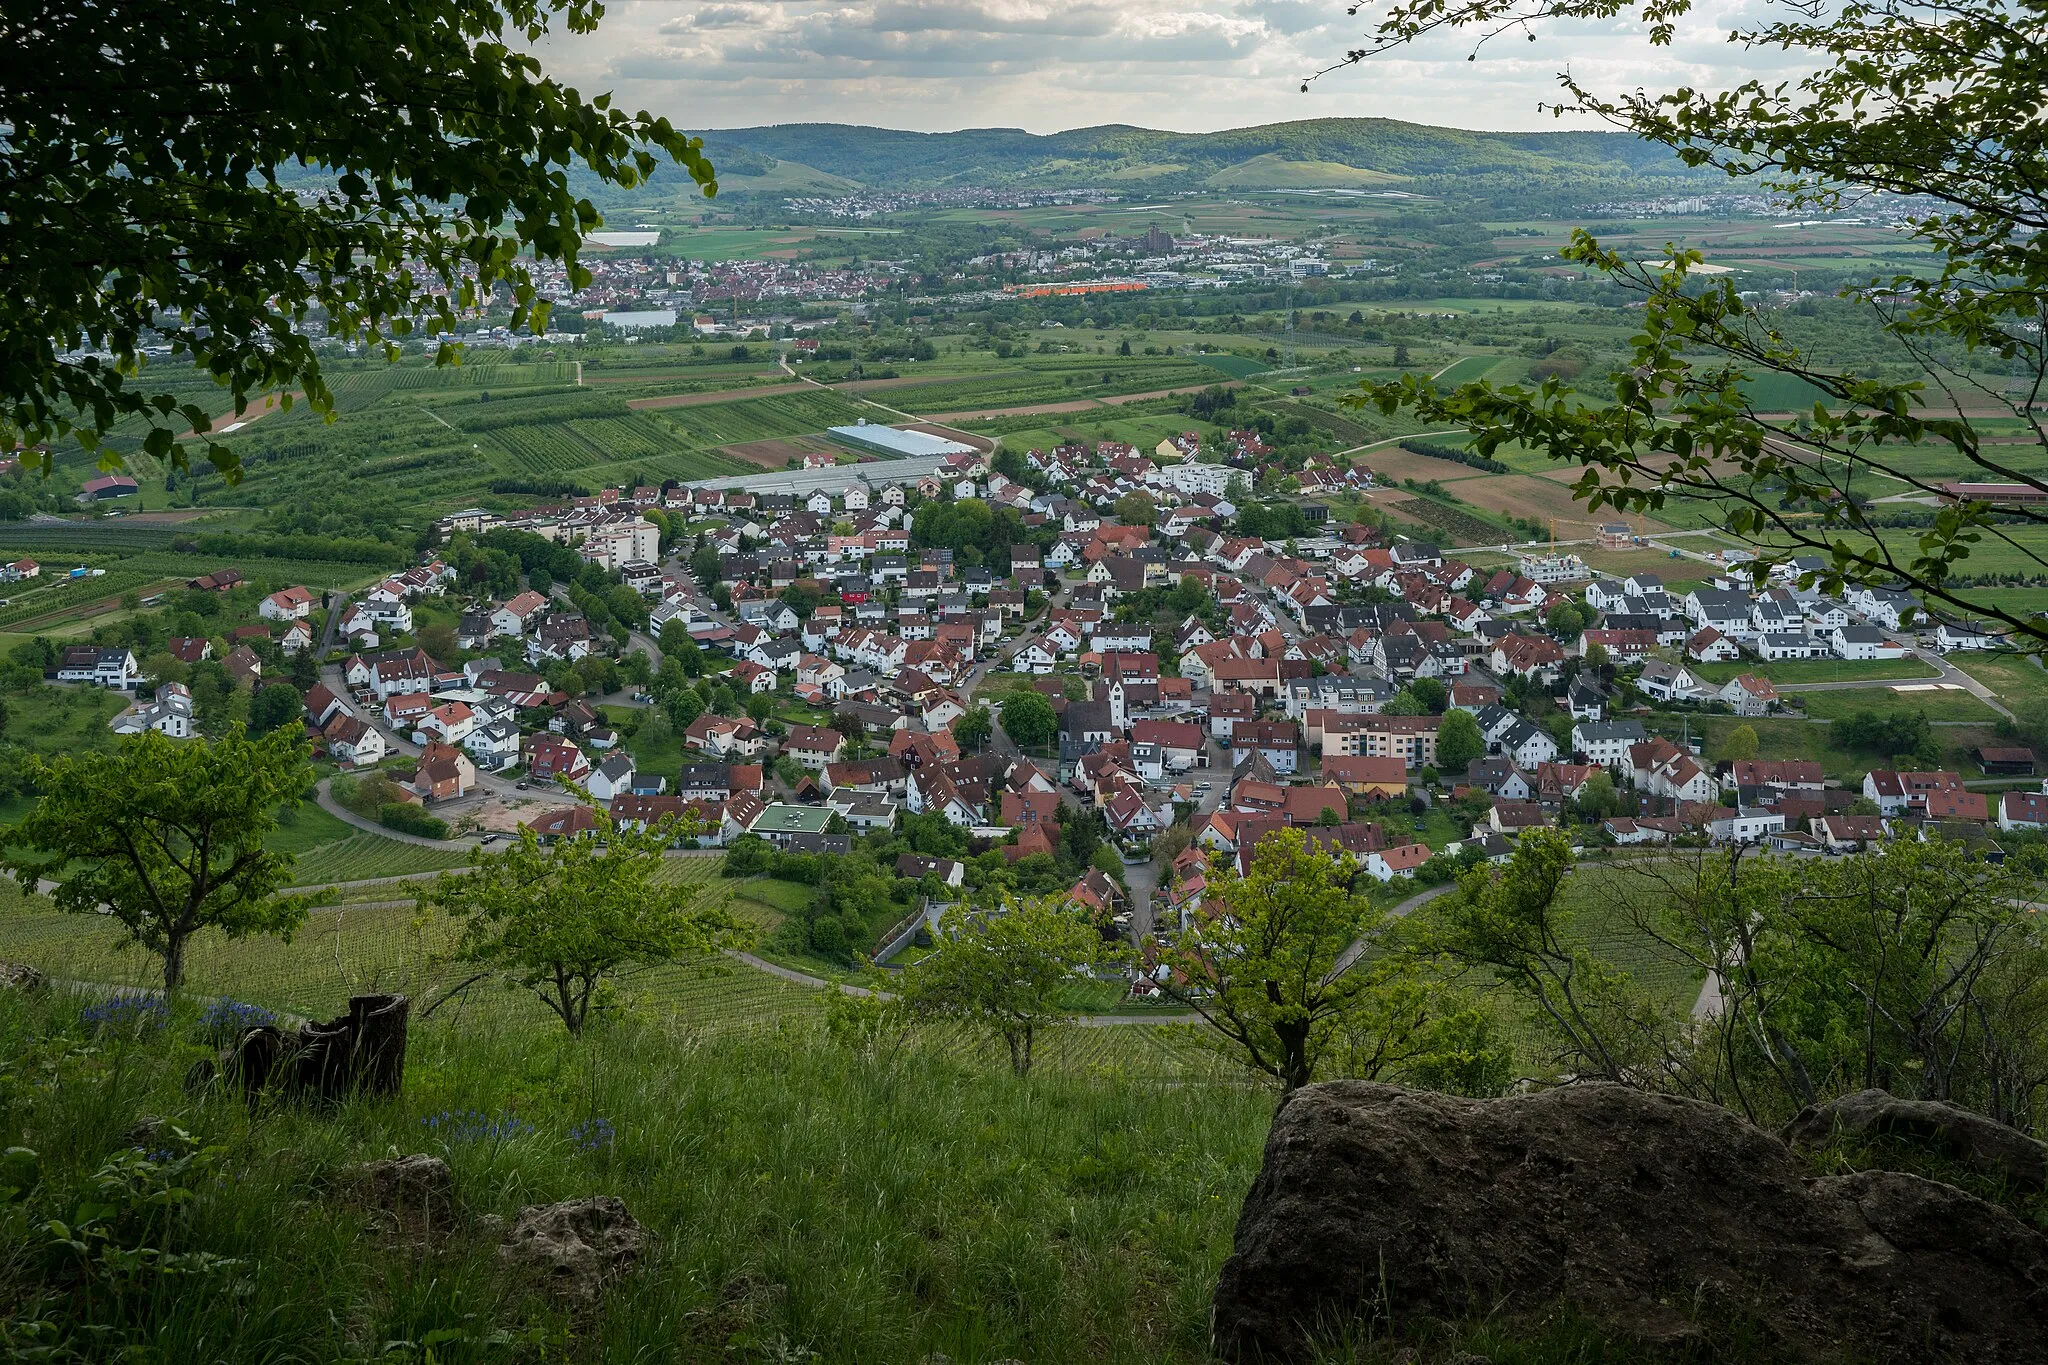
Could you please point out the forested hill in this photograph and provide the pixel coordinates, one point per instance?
(1351, 152)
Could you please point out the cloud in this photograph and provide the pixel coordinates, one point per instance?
(1046, 65)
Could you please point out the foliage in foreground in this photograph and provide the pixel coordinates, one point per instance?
(815, 1196)
(166, 205)
(1936, 103)
(811, 1200)
(1915, 968)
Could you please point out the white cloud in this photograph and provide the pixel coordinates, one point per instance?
(1047, 65)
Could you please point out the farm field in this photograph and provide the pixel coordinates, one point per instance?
(2016, 678)
(1523, 495)
(60, 720)
(1458, 525)
(1398, 462)
(1939, 705)
(1784, 738)
(360, 855)
(1818, 670)
(134, 560)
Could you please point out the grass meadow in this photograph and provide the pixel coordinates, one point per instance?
(818, 1186)
(807, 1200)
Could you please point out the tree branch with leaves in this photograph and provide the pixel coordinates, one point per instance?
(217, 176)
(1012, 970)
(1906, 97)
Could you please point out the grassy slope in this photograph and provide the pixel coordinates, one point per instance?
(807, 1202)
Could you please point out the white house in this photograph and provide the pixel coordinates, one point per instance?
(1866, 642)
(170, 714)
(286, 604)
(1749, 825)
(1606, 742)
(102, 667)
(610, 779)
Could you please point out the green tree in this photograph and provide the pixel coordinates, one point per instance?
(1136, 508)
(1028, 720)
(1511, 923)
(166, 207)
(1740, 743)
(1431, 692)
(1917, 101)
(1458, 742)
(1404, 703)
(654, 731)
(165, 837)
(276, 707)
(1597, 798)
(1269, 965)
(683, 708)
(1565, 619)
(1009, 971)
(802, 598)
(563, 922)
(974, 730)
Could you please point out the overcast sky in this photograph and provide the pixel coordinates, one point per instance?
(1047, 65)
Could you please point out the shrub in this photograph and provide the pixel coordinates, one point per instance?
(410, 819)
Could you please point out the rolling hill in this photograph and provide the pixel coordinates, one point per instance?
(1308, 153)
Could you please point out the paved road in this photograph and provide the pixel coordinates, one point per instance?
(349, 817)
(338, 605)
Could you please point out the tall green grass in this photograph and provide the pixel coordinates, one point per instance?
(809, 1201)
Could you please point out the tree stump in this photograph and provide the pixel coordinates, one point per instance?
(360, 1053)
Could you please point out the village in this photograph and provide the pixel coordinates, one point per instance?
(1095, 642)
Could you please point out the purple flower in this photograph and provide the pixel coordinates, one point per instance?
(227, 1020)
(140, 1013)
(592, 1135)
(458, 1126)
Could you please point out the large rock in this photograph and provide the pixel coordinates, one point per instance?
(576, 1245)
(19, 976)
(418, 1181)
(1985, 1146)
(1652, 1215)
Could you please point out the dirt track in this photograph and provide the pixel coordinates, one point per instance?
(263, 409)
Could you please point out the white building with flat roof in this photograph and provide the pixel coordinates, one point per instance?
(897, 442)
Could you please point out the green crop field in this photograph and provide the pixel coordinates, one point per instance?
(754, 419)
(1784, 738)
(360, 855)
(2016, 678)
(1818, 670)
(1466, 370)
(1236, 366)
(1938, 705)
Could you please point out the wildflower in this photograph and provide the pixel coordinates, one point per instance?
(227, 1020)
(137, 1013)
(458, 1126)
(592, 1135)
